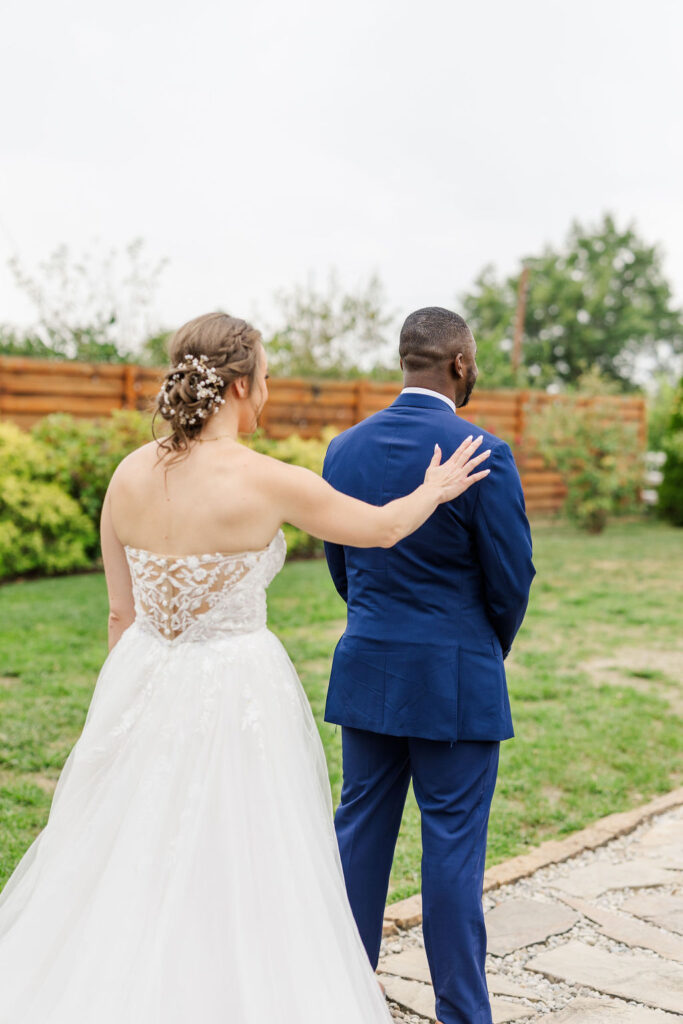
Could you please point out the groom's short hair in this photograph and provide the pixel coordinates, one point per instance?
(432, 335)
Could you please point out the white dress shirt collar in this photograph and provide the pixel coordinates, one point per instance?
(428, 391)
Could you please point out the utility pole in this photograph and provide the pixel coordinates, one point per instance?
(519, 320)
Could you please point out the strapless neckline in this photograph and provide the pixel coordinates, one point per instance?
(205, 556)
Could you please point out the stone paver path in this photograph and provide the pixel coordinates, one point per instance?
(627, 974)
(595, 939)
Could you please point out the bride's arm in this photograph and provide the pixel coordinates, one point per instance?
(119, 586)
(307, 501)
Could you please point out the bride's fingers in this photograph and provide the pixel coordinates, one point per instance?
(456, 470)
(469, 480)
(456, 473)
(461, 483)
(473, 463)
(465, 450)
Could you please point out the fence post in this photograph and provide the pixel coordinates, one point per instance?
(361, 396)
(128, 386)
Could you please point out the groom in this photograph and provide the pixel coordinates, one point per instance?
(418, 682)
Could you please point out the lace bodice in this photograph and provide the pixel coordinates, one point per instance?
(203, 597)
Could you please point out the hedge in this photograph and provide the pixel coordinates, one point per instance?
(53, 482)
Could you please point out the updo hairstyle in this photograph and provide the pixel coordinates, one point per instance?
(207, 354)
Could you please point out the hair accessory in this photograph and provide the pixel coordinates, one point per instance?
(209, 384)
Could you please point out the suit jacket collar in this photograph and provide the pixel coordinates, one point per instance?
(422, 402)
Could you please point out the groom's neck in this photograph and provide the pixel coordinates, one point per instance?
(432, 382)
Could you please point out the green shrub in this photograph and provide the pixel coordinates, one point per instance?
(84, 453)
(670, 495)
(41, 526)
(598, 456)
(21, 455)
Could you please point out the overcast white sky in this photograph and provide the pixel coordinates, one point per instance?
(255, 143)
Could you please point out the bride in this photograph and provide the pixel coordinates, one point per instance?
(188, 871)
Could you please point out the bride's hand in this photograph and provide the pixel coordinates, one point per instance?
(456, 474)
(313, 505)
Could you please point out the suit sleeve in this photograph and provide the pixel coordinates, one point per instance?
(503, 539)
(334, 553)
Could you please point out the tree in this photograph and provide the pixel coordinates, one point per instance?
(154, 351)
(93, 307)
(330, 332)
(16, 343)
(601, 300)
(670, 496)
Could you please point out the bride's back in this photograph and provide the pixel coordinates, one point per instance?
(211, 499)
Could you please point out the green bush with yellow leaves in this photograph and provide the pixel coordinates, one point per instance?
(42, 528)
(53, 481)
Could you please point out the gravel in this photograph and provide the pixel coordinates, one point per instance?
(551, 996)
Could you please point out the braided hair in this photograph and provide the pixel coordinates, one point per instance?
(207, 354)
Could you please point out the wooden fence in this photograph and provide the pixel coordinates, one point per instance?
(33, 388)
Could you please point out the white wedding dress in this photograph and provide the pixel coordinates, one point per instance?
(188, 872)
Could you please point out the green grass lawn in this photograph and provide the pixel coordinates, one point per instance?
(595, 679)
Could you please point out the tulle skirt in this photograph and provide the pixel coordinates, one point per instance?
(189, 872)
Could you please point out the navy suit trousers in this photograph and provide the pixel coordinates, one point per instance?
(453, 785)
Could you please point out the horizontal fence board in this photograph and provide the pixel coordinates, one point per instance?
(542, 476)
(545, 507)
(302, 414)
(25, 420)
(484, 420)
(149, 372)
(296, 398)
(49, 367)
(489, 407)
(45, 404)
(32, 388)
(306, 383)
(530, 463)
(35, 384)
(276, 407)
(533, 496)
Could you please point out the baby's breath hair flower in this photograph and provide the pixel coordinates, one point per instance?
(204, 384)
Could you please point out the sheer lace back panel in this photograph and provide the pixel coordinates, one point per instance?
(203, 597)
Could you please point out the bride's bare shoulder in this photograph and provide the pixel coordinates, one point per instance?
(140, 460)
(258, 467)
(270, 468)
(146, 453)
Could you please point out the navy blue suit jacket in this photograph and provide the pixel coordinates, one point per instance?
(431, 619)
